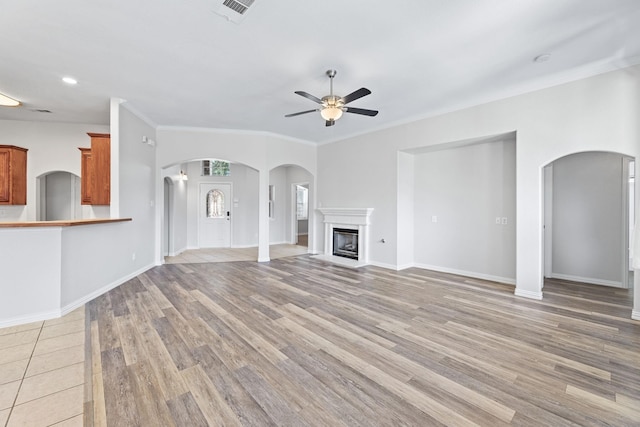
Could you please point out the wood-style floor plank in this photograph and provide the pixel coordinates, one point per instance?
(302, 343)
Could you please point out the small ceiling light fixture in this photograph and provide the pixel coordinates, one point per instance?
(333, 111)
(183, 176)
(542, 57)
(5, 101)
(70, 80)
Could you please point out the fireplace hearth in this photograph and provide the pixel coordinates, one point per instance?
(345, 243)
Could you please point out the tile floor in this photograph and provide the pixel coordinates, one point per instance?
(42, 372)
(233, 254)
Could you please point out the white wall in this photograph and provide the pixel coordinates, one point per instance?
(464, 190)
(406, 211)
(28, 293)
(137, 180)
(587, 211)
(52, 147)
(599, 113)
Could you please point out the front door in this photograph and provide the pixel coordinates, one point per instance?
(215, 216)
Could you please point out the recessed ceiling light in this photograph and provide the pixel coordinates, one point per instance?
(70, 80)
(5, 101)
(542, 58)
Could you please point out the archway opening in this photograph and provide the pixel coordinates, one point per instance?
(291, 195)
(588, 210)
(58, 196)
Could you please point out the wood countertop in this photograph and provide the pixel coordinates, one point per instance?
(62, 223)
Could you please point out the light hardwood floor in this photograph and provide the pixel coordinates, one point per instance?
(298, 342)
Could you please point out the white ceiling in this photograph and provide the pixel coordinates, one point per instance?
(180, 64)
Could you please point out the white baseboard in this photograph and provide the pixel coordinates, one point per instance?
(635, 314)
(527, 294)
(383, 265)
(178, 252)
(473, 274)
(405, 266)
(267, 259)
(587, 280)
(36, 317)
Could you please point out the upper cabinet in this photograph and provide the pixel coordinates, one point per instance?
(96, 170)
(13, 175)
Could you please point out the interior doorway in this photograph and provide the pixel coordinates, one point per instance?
(300, 213)
(58, 196)
(588, 211)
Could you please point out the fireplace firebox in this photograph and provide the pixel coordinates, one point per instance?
(345, 243)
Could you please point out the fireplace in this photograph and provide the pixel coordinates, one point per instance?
(346, 236)
(345, 243)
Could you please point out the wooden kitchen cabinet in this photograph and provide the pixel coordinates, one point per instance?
(13, 175)
(95, 170)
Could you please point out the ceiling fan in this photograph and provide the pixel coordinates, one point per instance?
(332, 106)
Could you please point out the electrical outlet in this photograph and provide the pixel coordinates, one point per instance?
(504, 220)
(434, 218)
(498, 220)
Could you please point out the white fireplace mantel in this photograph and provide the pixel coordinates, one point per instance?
(349, 218)
(354, 216)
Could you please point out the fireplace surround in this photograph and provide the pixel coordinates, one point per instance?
(352, 222)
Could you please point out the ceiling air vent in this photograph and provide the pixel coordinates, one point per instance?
(233, 10)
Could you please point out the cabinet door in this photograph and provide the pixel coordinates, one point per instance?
(18, 166)
(13, 175)
(86, 176)
(101, 165)
(5, 175)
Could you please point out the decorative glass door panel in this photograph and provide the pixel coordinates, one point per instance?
(215, 216)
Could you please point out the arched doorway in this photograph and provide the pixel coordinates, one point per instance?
(58, 196)
(588, 209)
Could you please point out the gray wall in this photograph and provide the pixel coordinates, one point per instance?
(588, 233)
(458, 194)
(62, 200)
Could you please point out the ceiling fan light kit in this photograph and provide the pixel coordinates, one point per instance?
(332, 106)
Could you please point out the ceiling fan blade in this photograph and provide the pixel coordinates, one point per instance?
(363, 91)
(309, 96)
(330, 123)
(301, 112)
(362, 111)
